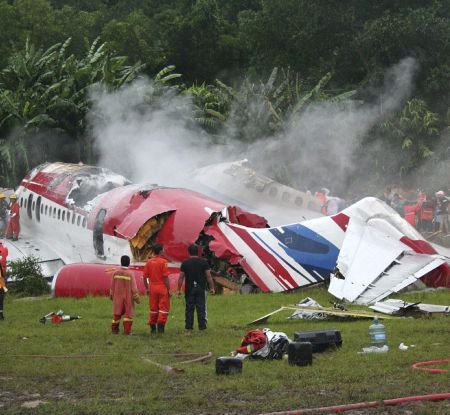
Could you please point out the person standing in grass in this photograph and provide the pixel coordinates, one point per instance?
(124, 294)
(3, 290)
(197, 273)
(156, 281)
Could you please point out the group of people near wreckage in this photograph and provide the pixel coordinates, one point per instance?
(425, 212)
(194, 273)
(9, 217)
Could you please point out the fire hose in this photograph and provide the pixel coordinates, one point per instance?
(362, 405)
(419, 365)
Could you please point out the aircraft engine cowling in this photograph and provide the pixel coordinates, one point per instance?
(80, 279)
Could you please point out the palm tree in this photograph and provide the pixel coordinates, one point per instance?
(48, 90)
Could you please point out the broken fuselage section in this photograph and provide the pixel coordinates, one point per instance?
(91, 215)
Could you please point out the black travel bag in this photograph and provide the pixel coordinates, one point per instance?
(320, 339)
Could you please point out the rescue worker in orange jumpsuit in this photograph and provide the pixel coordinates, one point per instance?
(156, 281)
(124, 294)
(14, 219)
(4, 256)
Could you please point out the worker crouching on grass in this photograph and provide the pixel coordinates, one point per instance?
(124, 294)
(156, 281)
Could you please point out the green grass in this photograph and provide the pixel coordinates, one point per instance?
(113, 378)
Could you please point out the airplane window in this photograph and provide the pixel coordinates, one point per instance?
(33, 206)
(24, 203)
(54, 212)
(38, 208)
(59, 213)
(63, 215)
(29, 206)
(21, 201)
(78, 220)
(298, 201)
(46, 209)
(273, 191)
(286, 197)
(84, 222)
(73, 219)
(42, 209)
(68, 216)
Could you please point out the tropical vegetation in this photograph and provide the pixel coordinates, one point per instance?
(375, 79)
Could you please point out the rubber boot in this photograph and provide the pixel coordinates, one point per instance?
(161, 328)
(115, 328)
(127, 327)
(152, 328)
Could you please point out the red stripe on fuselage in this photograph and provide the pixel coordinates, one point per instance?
(271, 262)
(341, 220)
(254, 276)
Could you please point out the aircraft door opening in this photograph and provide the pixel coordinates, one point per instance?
(98, 234)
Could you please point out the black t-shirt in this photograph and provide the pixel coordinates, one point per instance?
(194, 269)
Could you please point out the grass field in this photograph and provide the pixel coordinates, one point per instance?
(83, 369)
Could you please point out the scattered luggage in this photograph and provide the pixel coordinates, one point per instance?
(228, 365)
(320, 339)
(300, 353)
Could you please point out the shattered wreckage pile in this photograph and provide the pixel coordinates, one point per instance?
(89, 217)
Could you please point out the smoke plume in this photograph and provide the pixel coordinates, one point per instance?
(147, 133)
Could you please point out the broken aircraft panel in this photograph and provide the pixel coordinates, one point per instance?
(403, 308)
(115, 218)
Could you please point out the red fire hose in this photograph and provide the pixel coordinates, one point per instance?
(419, 365)
(372, 404)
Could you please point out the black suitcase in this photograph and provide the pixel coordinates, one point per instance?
(320, 339)
(228, 365)
(300, 353)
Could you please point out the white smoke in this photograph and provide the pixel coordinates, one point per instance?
(320, 143)
(148, 136)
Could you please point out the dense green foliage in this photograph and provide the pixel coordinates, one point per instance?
(251, 68)
(27, 279)
(79, 367)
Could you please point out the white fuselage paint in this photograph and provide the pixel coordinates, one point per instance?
(65, 232)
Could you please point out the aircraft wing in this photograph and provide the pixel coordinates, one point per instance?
(49, 261)
(374, 264)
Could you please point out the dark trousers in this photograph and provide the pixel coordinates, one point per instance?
(196, 300)
(1, 301)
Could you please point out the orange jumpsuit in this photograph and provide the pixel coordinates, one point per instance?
(124, 294)
(156, 270)
(13, 229)
(4, 255)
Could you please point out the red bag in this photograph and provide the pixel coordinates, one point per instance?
(253, 341)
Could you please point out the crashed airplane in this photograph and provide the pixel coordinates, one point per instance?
(81, 219)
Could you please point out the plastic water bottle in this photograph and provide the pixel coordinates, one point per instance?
(377, 333)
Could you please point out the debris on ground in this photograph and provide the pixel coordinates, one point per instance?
(57, 317)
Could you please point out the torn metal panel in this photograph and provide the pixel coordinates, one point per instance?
(238, 183)
(374, 265)
(283, 258)
(400, 307)
(332, 312)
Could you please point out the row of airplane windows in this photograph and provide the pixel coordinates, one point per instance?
(54, 212)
